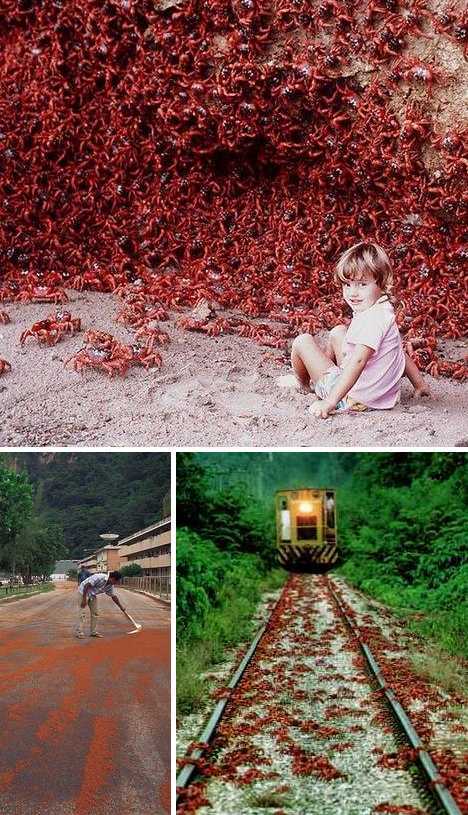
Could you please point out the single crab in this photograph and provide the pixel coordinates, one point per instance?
(4, 366)
(102, 352)
(152, 335)
(50, 330)
(145, 355)
(111, 361)
(42, 294)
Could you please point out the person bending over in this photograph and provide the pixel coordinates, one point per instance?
(88, 590)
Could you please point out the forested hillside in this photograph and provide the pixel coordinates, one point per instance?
(90, 493)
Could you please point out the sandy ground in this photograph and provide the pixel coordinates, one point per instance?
(209, 392)
(85, 723)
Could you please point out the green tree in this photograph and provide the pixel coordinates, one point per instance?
(38, 546)
(132, 570)
(89, 493)
(15, 509)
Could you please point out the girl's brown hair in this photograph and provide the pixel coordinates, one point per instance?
(365, 257)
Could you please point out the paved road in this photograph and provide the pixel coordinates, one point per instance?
(84, 724)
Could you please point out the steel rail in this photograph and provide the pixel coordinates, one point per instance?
(445, 798)
(186, 773)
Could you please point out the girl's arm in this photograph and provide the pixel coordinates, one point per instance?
(351, 373)
(414, 375)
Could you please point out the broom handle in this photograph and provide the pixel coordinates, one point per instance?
(130, 618)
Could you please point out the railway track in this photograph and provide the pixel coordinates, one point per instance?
(311, 723)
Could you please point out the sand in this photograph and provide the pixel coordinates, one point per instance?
(210, 392)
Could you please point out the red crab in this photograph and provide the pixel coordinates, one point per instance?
(103, 353)
(131, 315)
(94, 280)
(45, 332)
(144, 355)
(4, 318)
(50, 330)
(100, 339)
(112, 361)
(8, 291)
(42, 294)
(152, 334)
(4, 366)
(190, 324)
(65, 320)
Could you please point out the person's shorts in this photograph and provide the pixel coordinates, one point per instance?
(324, 385)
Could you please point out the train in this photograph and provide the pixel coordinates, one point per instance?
(306, 529)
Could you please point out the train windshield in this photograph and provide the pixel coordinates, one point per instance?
(306, 527)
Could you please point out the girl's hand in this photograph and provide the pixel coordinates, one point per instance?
(421, 390)
(321, 409)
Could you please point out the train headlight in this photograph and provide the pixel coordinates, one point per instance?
(305, 506)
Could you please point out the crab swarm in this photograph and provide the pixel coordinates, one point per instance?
(229, 151)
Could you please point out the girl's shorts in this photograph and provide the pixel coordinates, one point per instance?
(324, 385)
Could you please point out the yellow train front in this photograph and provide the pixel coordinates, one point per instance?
(306, 529)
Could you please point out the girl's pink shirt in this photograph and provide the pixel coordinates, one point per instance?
(379, 383)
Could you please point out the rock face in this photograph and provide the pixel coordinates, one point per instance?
(232, 151)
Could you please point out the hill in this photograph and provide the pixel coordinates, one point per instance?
(91, 493)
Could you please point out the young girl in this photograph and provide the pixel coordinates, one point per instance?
(363, 363)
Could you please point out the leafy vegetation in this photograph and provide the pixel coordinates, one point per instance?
(224, 563)
(403, 538)
(29, 544)
(85, 494)
(402, 522)
(132, 570)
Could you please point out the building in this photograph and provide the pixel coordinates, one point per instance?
(150, 548)
(61, 569)
(89, 563)
(107, 559)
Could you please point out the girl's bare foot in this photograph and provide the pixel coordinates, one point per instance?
(291, 381)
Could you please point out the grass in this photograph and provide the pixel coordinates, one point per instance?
(225, 626)
(443, 669)
(270, 799)
(191, 690)
(447, 629)
(24, 590)
(444, 632)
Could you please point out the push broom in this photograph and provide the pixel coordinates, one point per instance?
(138, 626)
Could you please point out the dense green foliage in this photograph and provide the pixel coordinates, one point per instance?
(86, 494)
(15, 503)
(402, 525)
(222, 535)
(403, 536)
(231, 517)
(225, 554)
(217, 593)
(132, 570)
(29, 542)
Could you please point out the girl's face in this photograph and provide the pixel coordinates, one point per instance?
(361, 294)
